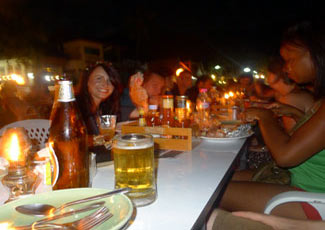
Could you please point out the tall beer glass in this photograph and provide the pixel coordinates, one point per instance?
(135, 167)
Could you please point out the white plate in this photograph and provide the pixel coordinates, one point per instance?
(119, 205)
(224, 139)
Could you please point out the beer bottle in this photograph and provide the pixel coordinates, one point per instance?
(68, 139)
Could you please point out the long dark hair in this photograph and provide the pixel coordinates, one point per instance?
(312, 37)
(110, 105)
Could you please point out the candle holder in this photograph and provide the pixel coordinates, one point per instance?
(20, 181)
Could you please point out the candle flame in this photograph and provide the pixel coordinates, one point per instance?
(6, 226)
(188, 105)
(231, 94)
(226, 95)
(12, 149)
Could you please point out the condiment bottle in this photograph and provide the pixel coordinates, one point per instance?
(68, 139)
(181, 111)
(168, 111)
(152, 118)
(142, 119)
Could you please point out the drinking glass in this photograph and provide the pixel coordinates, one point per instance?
(134, 166)
(107, 125)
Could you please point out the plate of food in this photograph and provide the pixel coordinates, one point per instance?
(225, 139)
(227, 132)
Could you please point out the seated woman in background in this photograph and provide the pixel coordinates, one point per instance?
(98, 94)
(303, 50)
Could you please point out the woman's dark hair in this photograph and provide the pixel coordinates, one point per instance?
(312, 37)
(111, 105)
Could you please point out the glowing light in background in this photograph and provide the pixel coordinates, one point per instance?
(30, 75)
(217, 67)
(247, 70)
(178, 71)
(18, 79)
(47, 78)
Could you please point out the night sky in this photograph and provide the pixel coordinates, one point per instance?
(244, 32)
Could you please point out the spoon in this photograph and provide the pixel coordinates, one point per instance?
(38, 209)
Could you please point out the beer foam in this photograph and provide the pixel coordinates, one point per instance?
(129, 146)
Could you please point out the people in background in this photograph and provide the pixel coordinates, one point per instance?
(145, 89)
(183, 83)
(303, 50)
(203, 81)
(12, 107)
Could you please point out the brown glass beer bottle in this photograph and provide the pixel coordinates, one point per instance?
(68, 138)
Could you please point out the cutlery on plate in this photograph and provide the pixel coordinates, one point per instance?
(93, 218)
(38, 209)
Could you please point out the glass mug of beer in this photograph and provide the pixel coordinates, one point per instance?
(107, 124)
(134, 166)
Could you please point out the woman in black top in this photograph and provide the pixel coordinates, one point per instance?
(98, 93)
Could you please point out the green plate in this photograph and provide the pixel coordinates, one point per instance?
(119, 205)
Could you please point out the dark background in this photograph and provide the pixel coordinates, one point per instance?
(241, 32)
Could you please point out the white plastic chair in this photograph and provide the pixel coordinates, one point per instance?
(36, 129)
(317, 200)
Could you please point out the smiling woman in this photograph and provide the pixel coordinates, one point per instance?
(98, 93)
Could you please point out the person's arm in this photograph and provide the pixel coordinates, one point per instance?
(281, 109)
(138, 94)
(290, 151)
(280, 223)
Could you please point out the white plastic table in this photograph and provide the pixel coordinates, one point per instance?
(188, 184)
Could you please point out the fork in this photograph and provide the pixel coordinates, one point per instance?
(46, 222)
(87, 223)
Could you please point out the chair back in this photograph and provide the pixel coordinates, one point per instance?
(37, 129)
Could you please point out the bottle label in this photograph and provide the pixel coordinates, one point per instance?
(55, 162)
(66, 92)
(181, 103)
(205, 105)
(142, 121)
(168, 103)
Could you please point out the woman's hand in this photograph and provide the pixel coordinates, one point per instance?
(252, 114)
(138, 94)
(285, 110)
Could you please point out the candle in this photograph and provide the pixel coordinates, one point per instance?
(14, 145)
(13, 151)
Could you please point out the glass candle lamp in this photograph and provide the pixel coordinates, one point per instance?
(20, 180)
